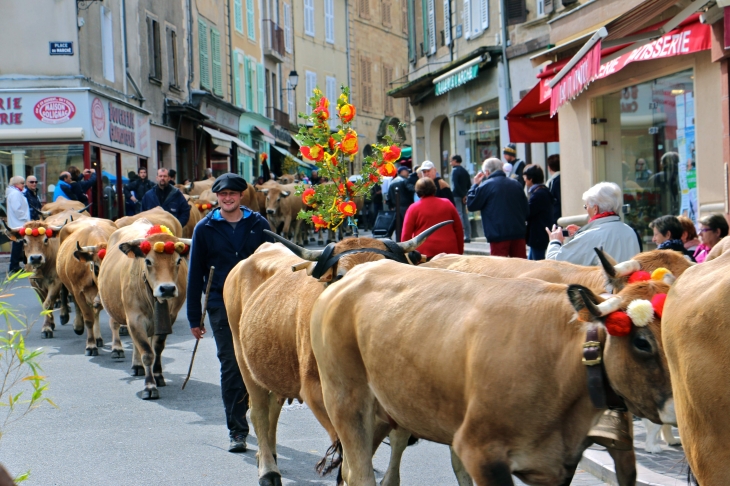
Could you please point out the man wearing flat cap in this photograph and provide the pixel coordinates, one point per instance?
(224, 237)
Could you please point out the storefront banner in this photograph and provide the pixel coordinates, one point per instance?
(691, 38)
(573, 83)
(118, 126)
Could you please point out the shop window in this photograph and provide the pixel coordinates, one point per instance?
(481, 127)
(656, 165)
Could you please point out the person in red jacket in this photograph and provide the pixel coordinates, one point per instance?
(431, 210)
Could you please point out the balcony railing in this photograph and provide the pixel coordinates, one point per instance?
(274, 40)
(280, 118)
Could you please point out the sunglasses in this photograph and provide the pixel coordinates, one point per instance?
(31, 182)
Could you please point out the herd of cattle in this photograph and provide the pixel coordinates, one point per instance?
(485, 354)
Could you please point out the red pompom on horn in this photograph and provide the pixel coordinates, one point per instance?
(657, 302)
(169, 247)
(618, 324)
(640, 276)
(145, 246)
(49, 232)
(35, 232)
(102, 253)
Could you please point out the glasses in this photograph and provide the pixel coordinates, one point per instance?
(705, 230)
(31, 182)
(585, 207)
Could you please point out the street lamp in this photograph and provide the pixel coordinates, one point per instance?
(293, 80)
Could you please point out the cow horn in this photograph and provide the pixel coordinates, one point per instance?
(45, 214)
(195, 198)
(8, 229)
(56, 228)
(187, 241)
(606, 262)
(303, 253)
(417, 240)
(84, 209)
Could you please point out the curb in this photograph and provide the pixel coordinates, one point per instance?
(600, 464)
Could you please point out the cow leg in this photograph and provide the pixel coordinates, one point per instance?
(625, 463)
(261, 402)
(462, 477)
(138, 331)
(137, 366)
(669, 436)
(486, 462)
(117, 349)
(158, 343)
(398, 443)
(53, 289)
(85, 313)
(64, 306)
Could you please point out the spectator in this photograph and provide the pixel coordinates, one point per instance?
(79, 184)
(641, 172)
(668, 234)
(259, 181)
(689, 234)
(553, 184)
(518, 165)
(18, 214)
(713, 228)
(442, 187)
(136, 189)
(460, 184)
(376, 203)
(507, 169)
(208, 173)
(428, 211)
(400, 193)
(173, 176)
(63, 187)
(168, 197)
(504, 209)
(604, 230)
(31, 194)
(540, 211)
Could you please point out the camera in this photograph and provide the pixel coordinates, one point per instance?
(565, 232)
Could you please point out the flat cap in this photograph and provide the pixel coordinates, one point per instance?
(230, 182)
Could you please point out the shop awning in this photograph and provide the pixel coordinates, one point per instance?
(266, 135)
(38, 134)
(530, 122)
(286, 153)
(224, 140)
(460, 75)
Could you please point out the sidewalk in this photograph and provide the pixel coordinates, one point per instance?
(478, 246)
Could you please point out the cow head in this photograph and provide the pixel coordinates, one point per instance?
(332, 263)
(629, 326)
(91, 255)
(163, 255)
(618, 274)
(46, 214)
(274, 195)
(37, 239)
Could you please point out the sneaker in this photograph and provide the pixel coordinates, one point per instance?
(238, 443)
(467, 240)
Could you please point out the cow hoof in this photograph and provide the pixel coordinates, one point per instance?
(117, 354)
(92, 352)
(52, 325)
(64, 319)
(137, 370)
(47, 334)
(99, 343)
(151, 394)
(79, 332)
(160, 380)
(270, 479)
(123, 331)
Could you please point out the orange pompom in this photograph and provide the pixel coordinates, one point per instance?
(640, 276)
(657, 302)
(618, 324)
(169, 247)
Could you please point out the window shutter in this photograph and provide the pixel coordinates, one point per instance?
(365, 9)
(516, 12)
(331, 89)
(287, 28)
(215, 46)
(547, 7)
(309, 17)
(366, 84)
(484, 13)
(447, 23)
(432, 26)
(385, 7)
(203, 52)
(172, 57)
(404, 17)
(467, 19)
(329, 21)
(238, 14)
(387, 79)
(310, 84)
(151, 46)
(292, 108)
(237, 79)
(250, 20)
(249, 83)
(261, 85)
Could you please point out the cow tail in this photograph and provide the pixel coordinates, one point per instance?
(331, 460)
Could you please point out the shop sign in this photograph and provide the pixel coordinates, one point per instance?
(119, 126)
(457, 79)
(220, 116)
(282, 136)
(61, 48)
(54, 110)
(577, 79)
(11, 110)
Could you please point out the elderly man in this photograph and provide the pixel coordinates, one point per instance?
(442, 187)
(604, 230)
(168, 197)
(18, 214)
(63, 187)
(504, 209)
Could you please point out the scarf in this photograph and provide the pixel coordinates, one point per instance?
(602, 215)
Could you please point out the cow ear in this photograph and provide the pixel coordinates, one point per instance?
(131, 249)
(83, 256)
(585, 303)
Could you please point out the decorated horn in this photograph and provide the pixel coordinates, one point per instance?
(303, 253)
(45, 214)
(417, 240)
(187, 241)
(195, 198)
(606, 262)
(84, 209)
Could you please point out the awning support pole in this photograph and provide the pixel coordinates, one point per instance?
(595, 38)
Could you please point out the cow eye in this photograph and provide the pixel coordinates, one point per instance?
(642, 344)
(148, 262)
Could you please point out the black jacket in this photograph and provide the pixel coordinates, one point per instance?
(215, 243)
(34, 203)
(555, 192)
(460, 181)
(539, 217)
(81, 185)
(518, 167)
(443, 190)
(173, 202)
(405, 192)
(140, 188)
(503, 205)
(676, 245)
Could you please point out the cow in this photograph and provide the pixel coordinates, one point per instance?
(696, 336)
(195, 217)
(282, 209)
(145, 288)
(268, 310)
(285, 179)
(718, 249)
(62, 204)
(197, 188)
(490, 366)
(155, 216)
(77, 265)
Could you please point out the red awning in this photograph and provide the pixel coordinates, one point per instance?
(529, 121)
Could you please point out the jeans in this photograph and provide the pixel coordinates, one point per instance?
(464, 215)
(233, 390)
(16, 256)
(537, 253)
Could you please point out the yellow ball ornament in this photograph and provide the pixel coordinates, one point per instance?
(659, 273)
(159, 247)
(28, 231)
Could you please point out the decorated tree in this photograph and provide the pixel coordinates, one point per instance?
(331, 205)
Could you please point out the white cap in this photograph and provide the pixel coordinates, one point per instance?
(426, 165)
(507, 168)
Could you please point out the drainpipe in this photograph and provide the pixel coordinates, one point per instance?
(505, 62)
(190, 50)
(347, 33)
(232, 78)
(127, 74)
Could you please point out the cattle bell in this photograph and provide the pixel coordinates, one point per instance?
(612, 431)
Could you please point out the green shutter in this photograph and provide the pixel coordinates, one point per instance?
(237, 79)
(261, 85)
(215, 45)
(249, 84)
(251, 21)
(238, 15)
(203, 49)
(424, 18)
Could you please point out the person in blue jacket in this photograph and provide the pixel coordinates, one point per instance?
(63, 187)
(227, 235)
(168, 197)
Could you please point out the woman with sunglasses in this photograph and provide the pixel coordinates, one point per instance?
(713, 228)
(31, 194)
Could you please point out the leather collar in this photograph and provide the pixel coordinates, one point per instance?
(600, 390)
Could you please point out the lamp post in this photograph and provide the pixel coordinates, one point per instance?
(292, 83)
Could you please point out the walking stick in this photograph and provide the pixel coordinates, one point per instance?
(202, 325)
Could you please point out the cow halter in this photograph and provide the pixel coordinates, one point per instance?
(327, 260)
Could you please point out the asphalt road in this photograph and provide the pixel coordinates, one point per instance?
(103, 433)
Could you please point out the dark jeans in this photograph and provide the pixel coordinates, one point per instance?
(233, 390)
(16, 256)
(537, 253)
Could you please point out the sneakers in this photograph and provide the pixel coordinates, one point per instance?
(238, 443)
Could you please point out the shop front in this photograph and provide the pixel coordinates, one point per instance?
(45, 131)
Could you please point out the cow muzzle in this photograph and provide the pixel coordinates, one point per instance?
(270, 211)
(36, 260)
(165, 291)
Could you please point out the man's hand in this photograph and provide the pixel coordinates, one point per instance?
(479, 177)
(463, 200)
(134, 199)
(556, 234)
(197, 332)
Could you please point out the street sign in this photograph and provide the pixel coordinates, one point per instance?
(61, 48)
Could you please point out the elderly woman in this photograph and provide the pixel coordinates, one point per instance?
(604, 230)
(713, 228)
(431, 210)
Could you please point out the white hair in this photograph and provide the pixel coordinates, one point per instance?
(15, 180)
(492, 165)
(606, 196)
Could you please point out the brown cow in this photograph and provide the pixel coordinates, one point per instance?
(282, 208)
(62, 204)
(143, 290)
(155, 216)
(195, 217)
(78, 265)
(197, 188)
(457, 359)
(270, 323)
